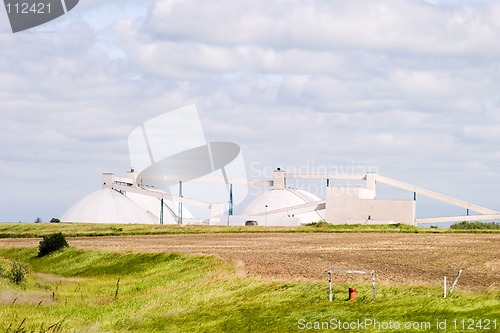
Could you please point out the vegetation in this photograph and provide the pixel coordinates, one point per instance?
(51, 243)
(465, 225)
(54, 220)
(37, 230)
(17, 272)
(75, 290)
(395, 227)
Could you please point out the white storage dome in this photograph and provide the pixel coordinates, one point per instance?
(277, 199)
(106, 206)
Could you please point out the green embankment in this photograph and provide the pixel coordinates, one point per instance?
(75, 290)
(30, 230)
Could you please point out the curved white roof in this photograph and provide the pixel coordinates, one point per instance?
(106, 206)
(277, 199)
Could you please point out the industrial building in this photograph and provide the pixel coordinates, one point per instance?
(128, 200)
(153, 192)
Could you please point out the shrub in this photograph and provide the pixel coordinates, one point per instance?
(51, 243)
(465, 225)
(55, 220)
(17, 272)
(319, 224)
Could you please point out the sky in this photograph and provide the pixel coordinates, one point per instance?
(407, 88)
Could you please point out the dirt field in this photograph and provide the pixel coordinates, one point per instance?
(397, 258)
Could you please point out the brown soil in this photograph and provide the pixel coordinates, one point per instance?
(397, 258)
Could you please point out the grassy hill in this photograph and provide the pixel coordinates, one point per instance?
(90, 291)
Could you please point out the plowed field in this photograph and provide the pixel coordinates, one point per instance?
(397, 258)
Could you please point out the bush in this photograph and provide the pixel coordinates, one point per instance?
(55, 220)
(51, 243)
(17, 272)
(319, 224)
(465, 225)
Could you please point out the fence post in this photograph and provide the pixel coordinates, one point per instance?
(373, 284)
(330, 285)
(444, 287)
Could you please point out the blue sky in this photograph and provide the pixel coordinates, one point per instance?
(409, 88)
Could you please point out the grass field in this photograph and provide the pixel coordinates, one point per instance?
(77, 291)
(130, 289)
(35, 230)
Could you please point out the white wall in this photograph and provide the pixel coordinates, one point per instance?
(351, 205)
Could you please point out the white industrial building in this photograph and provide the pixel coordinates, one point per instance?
(127, 200)
(153, 192)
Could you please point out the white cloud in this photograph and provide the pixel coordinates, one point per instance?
(410, 87)
(382, 26)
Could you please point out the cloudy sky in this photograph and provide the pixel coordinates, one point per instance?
(410, 88)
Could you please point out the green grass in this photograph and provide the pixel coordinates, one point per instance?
(74, 291)
(37, 230)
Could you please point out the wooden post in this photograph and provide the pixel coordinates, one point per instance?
(330, 285)
(117, 288)
(373, 284)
